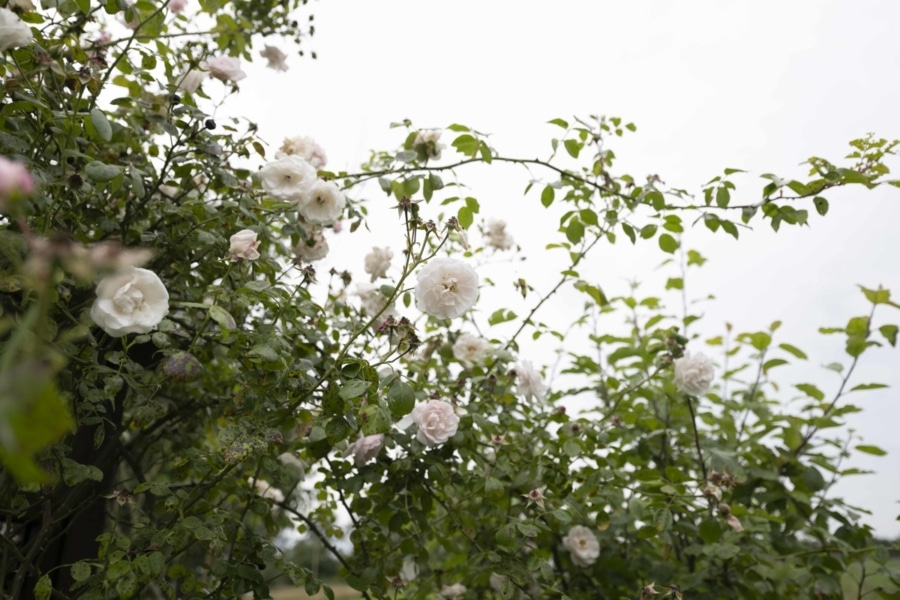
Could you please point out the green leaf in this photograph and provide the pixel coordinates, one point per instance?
(890, 333)
(401, 399)
(222, 317)
(648, 231)
(353, 389)
(547, 195)
(559, 123)
(793, 350)
(811, 391)
(821, 205)
(43, 588)
(81, 571)
(869, 386)
(501, 315)
(101, 124)
(629, 231)
(98, 171)
(466, 145)
(879, 296)
(465, 216)
(667, 243)
(873, 450)
(573, 147)
(675, 283)
(722, 197)
(574, 230)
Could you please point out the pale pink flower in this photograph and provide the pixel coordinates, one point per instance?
(306, 148)
(365, 448)
(225, 68)
(529, 382)
(470, 349)
(436, 421)
(176, 6)
(244, 245)
(15, 180)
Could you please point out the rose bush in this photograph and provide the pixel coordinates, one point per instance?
(233, 407)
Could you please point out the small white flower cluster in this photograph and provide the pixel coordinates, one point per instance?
(294, 179)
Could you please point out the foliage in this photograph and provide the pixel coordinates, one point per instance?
(165, 464)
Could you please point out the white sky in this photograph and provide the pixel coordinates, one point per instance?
(758, 85)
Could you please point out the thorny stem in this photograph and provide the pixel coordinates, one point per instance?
(696, 437)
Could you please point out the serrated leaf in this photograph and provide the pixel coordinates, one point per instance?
(43, 588)
(890, 333)
(353, 389)
(574, 230)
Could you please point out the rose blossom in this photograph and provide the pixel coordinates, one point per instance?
(693, 374)
(436, 420)
(134, 300)
(14, 32)
(244, 245)
(366, 448)
(304, 147)
(23, 5)
(313, 248)
(452, 592)
(470, 349)
(378, 261)
(529, 382)
(446, 288)
(225, 68)
(323, 204)
(288, 178)
(427, 143)
(190, 81)
(176, 6)
(582, 545)
(275, 57)
(496, 235)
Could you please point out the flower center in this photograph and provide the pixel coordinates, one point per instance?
(129, 299)
(449, 285)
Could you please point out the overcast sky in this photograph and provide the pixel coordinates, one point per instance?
(758, 85)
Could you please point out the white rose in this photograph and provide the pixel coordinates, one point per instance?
(452, 592)
(436, 420)
(496, 235)
(133, 300)
(275, 57)
(323, 204)
(446, 288)
(378, 261)
(365, 448)
(693, 374)
(470, 349)
(288, 178)
(304, 147)
(427, 143)
(14, 32)
(244, 245)
(313, 248)
(23, 5)
(529, 382)
(225, 68)
(583, 546)
(190, 81)
(410, 569)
